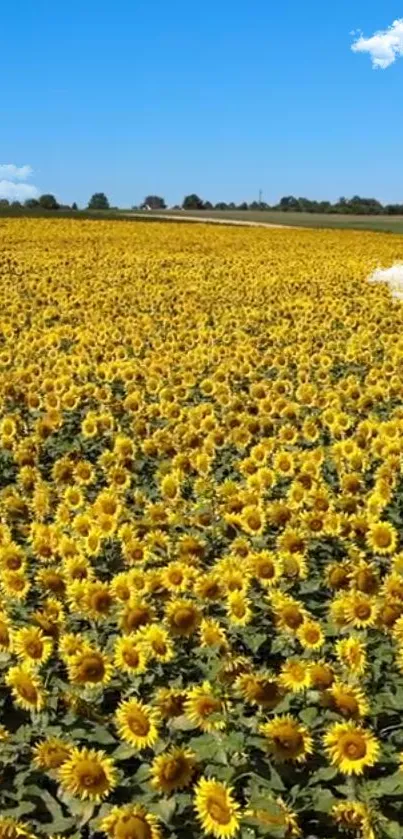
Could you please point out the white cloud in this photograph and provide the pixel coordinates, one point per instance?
(384, 46)
(12, 184)
(17, 192)
(15, 173)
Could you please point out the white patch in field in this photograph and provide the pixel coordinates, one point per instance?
(384, 46)
(392, 277)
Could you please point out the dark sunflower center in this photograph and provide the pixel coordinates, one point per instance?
(28, 691)
(363, 611)
(34, 648)
(91, 776)
(292, 617)
(207, 705)
(138, 724)
(290, 742)
(173, 771)
(355, 748)
(132, 827)
(92, 669)
(131, 657)
(218, 810)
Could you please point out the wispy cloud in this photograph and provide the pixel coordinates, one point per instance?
(384, 46)
(15, 173)
(12, 182)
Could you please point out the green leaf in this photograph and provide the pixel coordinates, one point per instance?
(392, 830)
(166, 808)
(325, 774)
(309, 715)
(392, 785)
(123, 752)
(323, 800)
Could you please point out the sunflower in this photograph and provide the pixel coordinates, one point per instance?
(88, 774)
(310, 635)
(287, 738)
(129, 657)
(5, 633)
(262, 689)
(26, 688)
(322, 675)
(382, 538)
(295, 675)
(238, 609)
(69, 645)
(266, 568)
(51, 753)
(15, 585)
(98, 600)
(353, 816)
(31, 645)
(170, 702)
(252, 520)
(137, 724)
(351, 653)
(173, 770)
(130, 821)
(12, 829)
(276, 815)
(351, 747)
(176, 576)
(337, 575)
(289, 614)
(212, 634)
(208, 587)
(89, 667)
(204, 708)
(154, 641)
(183, 617)
(347, 700)
(216, 808)
(136, 613)
(361, 610)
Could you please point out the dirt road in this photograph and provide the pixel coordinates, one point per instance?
(208, 220)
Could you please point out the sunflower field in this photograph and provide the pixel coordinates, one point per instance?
(201, 533)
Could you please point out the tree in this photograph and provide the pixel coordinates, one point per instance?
(4, 203)
(192, 202)
(207, 205)
(154, 202)
(74, 206)
(242, 206)
(31, 203)
(221, 206)
(98, 201)
(16, 204)
(289, 203)
(48, 202)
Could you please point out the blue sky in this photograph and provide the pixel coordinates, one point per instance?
(220, 98)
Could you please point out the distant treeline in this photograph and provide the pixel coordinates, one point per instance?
(289, 204)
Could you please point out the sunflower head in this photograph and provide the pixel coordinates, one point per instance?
(216, 808)
(51, 753)
(173, 770)
(351, 747)
(287, 738)
(183, 617)
(88, 774)
(137, 723)
(130, 821)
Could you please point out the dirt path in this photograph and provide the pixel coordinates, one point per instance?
(210, 220)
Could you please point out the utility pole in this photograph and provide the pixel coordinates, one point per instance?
(260, 197)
